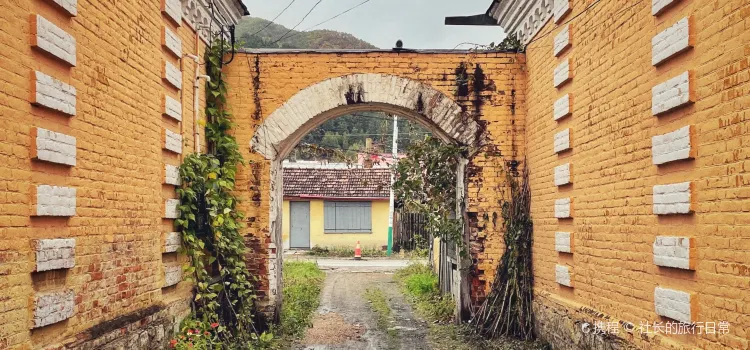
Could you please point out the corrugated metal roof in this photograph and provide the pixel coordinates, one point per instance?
(337, 183)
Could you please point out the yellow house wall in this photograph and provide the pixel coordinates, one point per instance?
(376, 239)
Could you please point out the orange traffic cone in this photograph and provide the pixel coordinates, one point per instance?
(357, 252)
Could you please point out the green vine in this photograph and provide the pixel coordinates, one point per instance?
(210, 224)
(426, 184)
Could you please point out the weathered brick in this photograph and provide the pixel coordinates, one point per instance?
(172, 108)
(562, 107)
(53, 147)
(52, 93)
(564, 242)
(562, 141)
(676, 145)
(50, 308)
(172, 141)
(563, 175)
(171, 175)
(671, 41)
(659, 6)
(561, 9)
(671, 94)
(675, 304)
(562, 73)
(173, 10)
(563, 275)
(172, 242)
(54, 254)
(172, 275)
(50, 38)
(564, 208)
(172, 75)
(170, 209)
(54, 201)
(172, 42)
(562, 41)
(673, 199)
(677, 252)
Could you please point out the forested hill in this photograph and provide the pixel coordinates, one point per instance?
(250, 35)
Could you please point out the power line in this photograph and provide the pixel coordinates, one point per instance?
(297, 25)
(330, 19)
(275, 18)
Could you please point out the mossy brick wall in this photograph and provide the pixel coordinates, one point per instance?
(118, 124)
(614, 225)
(259, 83)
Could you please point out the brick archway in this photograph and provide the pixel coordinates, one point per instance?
(334, 97)
(283, 129)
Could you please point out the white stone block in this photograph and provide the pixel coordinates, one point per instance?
(562, 107)
(677, 252)
(170, 209)
(562, 141)
(563, 73)
(673, 199)
(563, 275)
(172, 141)
(172, 42)
(52, 39)
(173, 10)
(53, 94)
(676, 145)
(659, 6)
(50, 146)
(172, 275)
(54, 254)
(564, 208)
(671, 94)
(171, 175)
(563, 175)
(562, 8)
(172, 242)
(54, 201)
(50, 308)
(172, 75)
(562, 41)
(69, 6)
(564, 242)
(172, 108)
(675, 304)
(671, 41)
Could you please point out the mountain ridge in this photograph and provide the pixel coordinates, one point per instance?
(259, 33)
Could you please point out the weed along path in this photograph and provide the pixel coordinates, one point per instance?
(361, 309)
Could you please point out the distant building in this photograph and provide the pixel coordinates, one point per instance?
(330, 207)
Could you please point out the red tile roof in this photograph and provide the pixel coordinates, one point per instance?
(337, 183)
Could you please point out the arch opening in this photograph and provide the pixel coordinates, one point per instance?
(282, 130)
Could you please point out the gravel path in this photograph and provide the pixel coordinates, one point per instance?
(345, 320)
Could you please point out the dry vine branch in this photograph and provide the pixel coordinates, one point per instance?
(507, 310)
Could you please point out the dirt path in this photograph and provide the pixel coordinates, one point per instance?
(345, 319)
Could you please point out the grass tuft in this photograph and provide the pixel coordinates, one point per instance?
(302, 285)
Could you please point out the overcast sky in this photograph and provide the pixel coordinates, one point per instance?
(419, 23)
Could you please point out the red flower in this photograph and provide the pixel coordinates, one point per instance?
(190, 331)
(214, 325)
(172, 343)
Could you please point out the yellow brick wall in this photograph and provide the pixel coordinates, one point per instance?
(613, 174)
(118, 226)
(254, 93)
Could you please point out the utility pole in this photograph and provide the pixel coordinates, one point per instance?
(393, 179)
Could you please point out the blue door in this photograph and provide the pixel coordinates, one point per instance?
(299, 215)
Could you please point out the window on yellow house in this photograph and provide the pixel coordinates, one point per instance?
(347, 217)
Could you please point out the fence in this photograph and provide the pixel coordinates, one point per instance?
(410, 231)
